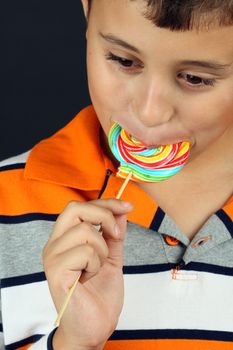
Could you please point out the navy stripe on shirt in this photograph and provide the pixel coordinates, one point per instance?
(157, 220)
(226, 220)
(50, 340)
(19, 219)
(172, 334)
(203, 267)
(127, 270)
(21, 280)
(141, 269)
(26, 341)
(12, 167)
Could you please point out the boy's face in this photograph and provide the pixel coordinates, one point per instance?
(161, 86)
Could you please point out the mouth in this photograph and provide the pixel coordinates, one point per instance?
(148, 145)
(152, 165)
(156, 136)
(145, 143)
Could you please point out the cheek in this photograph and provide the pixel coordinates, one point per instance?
(108, 90)
(209, 114)
(104, 92)
(227, 102)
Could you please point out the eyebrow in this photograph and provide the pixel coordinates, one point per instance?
(207, 64)
(117, 41)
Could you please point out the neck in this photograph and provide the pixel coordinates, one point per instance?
(209, 171)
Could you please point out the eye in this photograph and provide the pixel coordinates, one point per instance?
(125, 63)
(196, 81)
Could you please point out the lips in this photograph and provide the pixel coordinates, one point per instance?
(154, 136)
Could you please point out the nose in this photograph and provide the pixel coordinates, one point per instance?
(152, 104)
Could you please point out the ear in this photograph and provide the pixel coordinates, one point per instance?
(85, 7)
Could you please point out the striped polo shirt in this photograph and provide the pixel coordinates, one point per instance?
(178, 292)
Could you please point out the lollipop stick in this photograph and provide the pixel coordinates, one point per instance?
(125, 183)
(71, 290)
(66, 301)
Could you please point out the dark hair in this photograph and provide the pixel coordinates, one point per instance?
(188, 14)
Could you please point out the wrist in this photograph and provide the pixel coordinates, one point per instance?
(59, 342)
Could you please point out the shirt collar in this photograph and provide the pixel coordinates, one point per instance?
(74, 148)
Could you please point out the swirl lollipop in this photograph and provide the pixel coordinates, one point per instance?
(141, 164)
(146, 164)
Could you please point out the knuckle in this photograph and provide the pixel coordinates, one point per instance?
(105, 251)
(44, 251)
(52, 267)
(97, 266)
(90, 251)
(108, 202)
(48, 258)
(48, 264)
(107, 214)
(111, 201)
(72, 204)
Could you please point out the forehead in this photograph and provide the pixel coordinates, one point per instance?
(126, 20)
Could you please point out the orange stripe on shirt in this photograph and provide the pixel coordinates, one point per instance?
(25, 347)
(165, 344)
(168, 344)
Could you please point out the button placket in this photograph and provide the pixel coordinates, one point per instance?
(174, 241)
(173, 248)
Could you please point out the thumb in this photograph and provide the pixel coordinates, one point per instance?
(115, 244)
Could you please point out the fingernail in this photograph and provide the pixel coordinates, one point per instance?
(117, 230)
(126, 205)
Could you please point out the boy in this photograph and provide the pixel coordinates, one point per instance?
(164, 71)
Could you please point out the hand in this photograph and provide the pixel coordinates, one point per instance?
(76, 246)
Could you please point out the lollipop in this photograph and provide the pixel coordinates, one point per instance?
(146, 164)
(138, 163)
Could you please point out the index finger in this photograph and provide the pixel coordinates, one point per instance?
(95, 212)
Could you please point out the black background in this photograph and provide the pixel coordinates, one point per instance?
(42, 66)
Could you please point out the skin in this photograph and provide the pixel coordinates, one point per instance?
(155, 99)
(76, 246)
(162, 96)
(159, 99)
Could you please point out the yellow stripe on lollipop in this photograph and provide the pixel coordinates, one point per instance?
(164, 153)
(158, 156)
(130, 140)
(183, 148)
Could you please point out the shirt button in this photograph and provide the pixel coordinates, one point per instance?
(172, 241)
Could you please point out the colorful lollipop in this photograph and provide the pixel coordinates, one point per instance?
(139, 163)
(146, 164)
